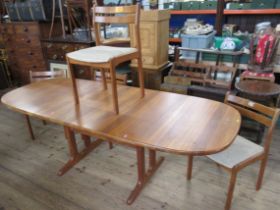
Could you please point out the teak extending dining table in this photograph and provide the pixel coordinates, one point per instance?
(160, 121)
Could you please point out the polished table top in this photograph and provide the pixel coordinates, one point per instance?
(163, 121)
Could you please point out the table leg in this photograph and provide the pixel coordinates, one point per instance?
(86, 140)
(75, 155)
(143, 176)
(29, 127)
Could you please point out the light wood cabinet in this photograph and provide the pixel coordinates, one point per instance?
(154, 33)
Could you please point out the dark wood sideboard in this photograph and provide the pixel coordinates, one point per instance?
(55, 51)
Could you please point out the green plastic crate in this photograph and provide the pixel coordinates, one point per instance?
(239, 6)
(173, 5)
(225, 58)
(208, 5)
(277, 4)
(263, 4)
(264, 1)
(191, 5)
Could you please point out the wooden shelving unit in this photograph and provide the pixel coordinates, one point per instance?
(227, 12)
(193, 12)
(253, 12)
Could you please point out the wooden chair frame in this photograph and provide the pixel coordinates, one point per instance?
(36, 76)
(265, 115)
(106, 15)
(194, 71)
(212, 81)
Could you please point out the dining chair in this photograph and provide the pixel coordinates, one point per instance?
(243, 152)
(105, 57)
(36, 76)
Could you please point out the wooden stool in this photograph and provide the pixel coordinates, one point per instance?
(248, 75)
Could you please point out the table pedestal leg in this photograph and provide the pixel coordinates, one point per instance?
(75, 155)
(143, 176)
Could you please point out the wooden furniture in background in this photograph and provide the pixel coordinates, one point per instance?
(120, 78)
(39, 76)
(154, 33)
(261, 91)
(5, 75)
(201, 79)
(55, 50)
(22, 41)
(43, 75)
(220, 77)
(246, 19)
(84, 7)
(106, 57)
(243, 152)
(248, 75)
(139, 127)
(152, 79)
(194, 72)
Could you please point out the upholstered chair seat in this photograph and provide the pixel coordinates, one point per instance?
(240, 150)
(100, 54)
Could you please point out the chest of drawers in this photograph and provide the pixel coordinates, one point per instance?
(55, 50)
(22, 42)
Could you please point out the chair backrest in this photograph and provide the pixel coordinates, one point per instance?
(36, 76)
(220, 76)
(196, 72)
(262, 114)
(129, 15)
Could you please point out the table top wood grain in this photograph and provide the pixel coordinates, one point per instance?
(163, 121)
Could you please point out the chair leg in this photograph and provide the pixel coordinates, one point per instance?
(141, 77)
(110, 145)
(190, 163)
(103, 75)
(29, 127)
(231, 189)
(261, 173)
(93, 74)
(114, 89)
(74, 84)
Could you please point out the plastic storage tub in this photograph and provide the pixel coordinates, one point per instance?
(196, 42)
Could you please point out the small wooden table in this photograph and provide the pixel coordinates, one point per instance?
(259, 90)
(162, 121)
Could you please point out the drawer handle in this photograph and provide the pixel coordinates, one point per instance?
(54, 57)
(28, 41)
(64, 47)
(49, 45)
(30, 53)
(34, 66)
(25, 29)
